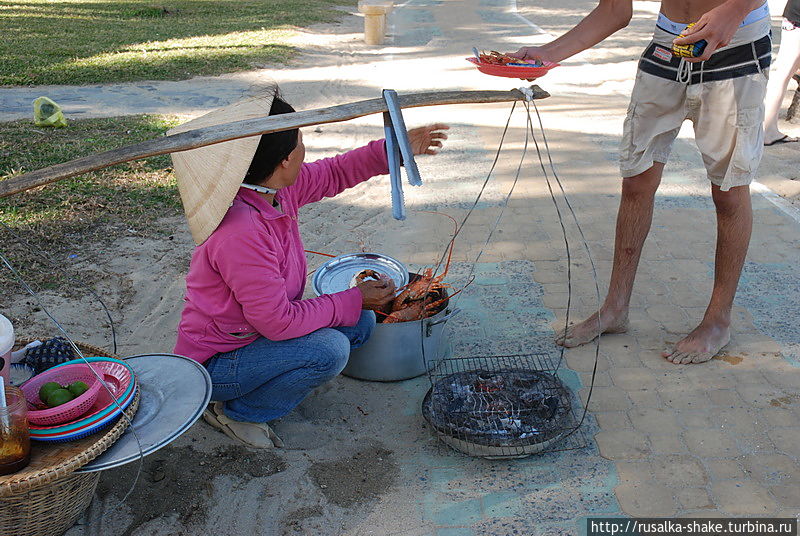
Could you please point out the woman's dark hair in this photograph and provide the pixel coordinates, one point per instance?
(273, 148)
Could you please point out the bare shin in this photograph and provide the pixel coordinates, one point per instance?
(633, 225)
(734, 226)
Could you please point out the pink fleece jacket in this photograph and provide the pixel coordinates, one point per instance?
(248, 278)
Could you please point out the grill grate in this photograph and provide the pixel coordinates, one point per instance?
(504, 406)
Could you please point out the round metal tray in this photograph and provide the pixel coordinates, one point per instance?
(175, 391)
(336, 274)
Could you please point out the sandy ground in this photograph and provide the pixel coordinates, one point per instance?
(351, 462)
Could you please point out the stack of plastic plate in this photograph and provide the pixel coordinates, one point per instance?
(115, 396)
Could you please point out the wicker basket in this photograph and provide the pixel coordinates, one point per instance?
(47, 497)
(49, 509)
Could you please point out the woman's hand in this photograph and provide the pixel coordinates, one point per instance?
(376, 294)
(427, 139)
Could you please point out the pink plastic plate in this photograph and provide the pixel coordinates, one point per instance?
(68, 411)
(117, 378)
(97, 422)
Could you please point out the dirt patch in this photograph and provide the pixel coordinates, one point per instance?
(730, 359)
(293, 522)
(784, 401)
(363, 477)
(178, 480)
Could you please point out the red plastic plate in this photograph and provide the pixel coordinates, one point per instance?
(513, 71)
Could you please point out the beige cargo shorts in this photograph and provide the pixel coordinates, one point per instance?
(722, 97)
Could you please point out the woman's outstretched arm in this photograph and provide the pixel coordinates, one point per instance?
(331, 176)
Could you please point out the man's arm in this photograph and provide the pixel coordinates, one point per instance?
(608, 17)
(718, 26)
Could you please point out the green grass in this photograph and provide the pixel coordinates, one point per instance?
(83, 213)
(82, 41)
(128, 191)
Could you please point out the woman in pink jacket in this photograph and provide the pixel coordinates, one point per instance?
(264, 346)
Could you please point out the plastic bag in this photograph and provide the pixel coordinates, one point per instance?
(47, 113)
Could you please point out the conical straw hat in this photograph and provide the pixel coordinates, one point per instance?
(209, 177)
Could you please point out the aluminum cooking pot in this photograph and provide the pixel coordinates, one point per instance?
(395, 351)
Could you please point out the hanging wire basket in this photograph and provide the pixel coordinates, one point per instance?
(509, 406)
(48, 496)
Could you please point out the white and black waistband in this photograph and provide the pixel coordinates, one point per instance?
(734, 62)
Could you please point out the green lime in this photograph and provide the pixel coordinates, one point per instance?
(46, 389)
(77, 388)
(58, 397)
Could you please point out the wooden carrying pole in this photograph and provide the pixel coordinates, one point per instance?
(250, 127)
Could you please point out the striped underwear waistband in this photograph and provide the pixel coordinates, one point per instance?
(734, 62)
(677, 28)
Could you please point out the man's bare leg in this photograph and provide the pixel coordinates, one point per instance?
(734, 225)
(633, 223)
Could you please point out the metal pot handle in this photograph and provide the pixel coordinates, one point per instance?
(430, 323)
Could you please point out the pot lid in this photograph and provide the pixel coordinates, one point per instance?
(174, 392)
(337, 274)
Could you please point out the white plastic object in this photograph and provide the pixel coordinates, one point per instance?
(6, 344)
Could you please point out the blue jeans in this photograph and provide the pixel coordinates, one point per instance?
(266, 379)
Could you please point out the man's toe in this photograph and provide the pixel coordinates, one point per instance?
(569, 342)
(561, 337)
(676, 357)
(701, 357)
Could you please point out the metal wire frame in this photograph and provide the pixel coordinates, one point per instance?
(573, 436)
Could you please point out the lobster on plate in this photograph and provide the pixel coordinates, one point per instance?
(498, 58)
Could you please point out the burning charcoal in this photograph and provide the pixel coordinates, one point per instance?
(499, 406)
(454, 406)
(526, 383)
(503, 408)
(487, 383)
(542, 406)
(549, 407)
(510, 424)
(531, 399)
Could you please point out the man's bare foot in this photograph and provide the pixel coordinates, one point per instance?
(589, 330)
(700, 345)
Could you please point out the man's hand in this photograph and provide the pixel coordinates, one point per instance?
(716, 27)
(427, 139)
(531, 53)
(376, 294)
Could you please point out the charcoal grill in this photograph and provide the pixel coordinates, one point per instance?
(501, 406)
